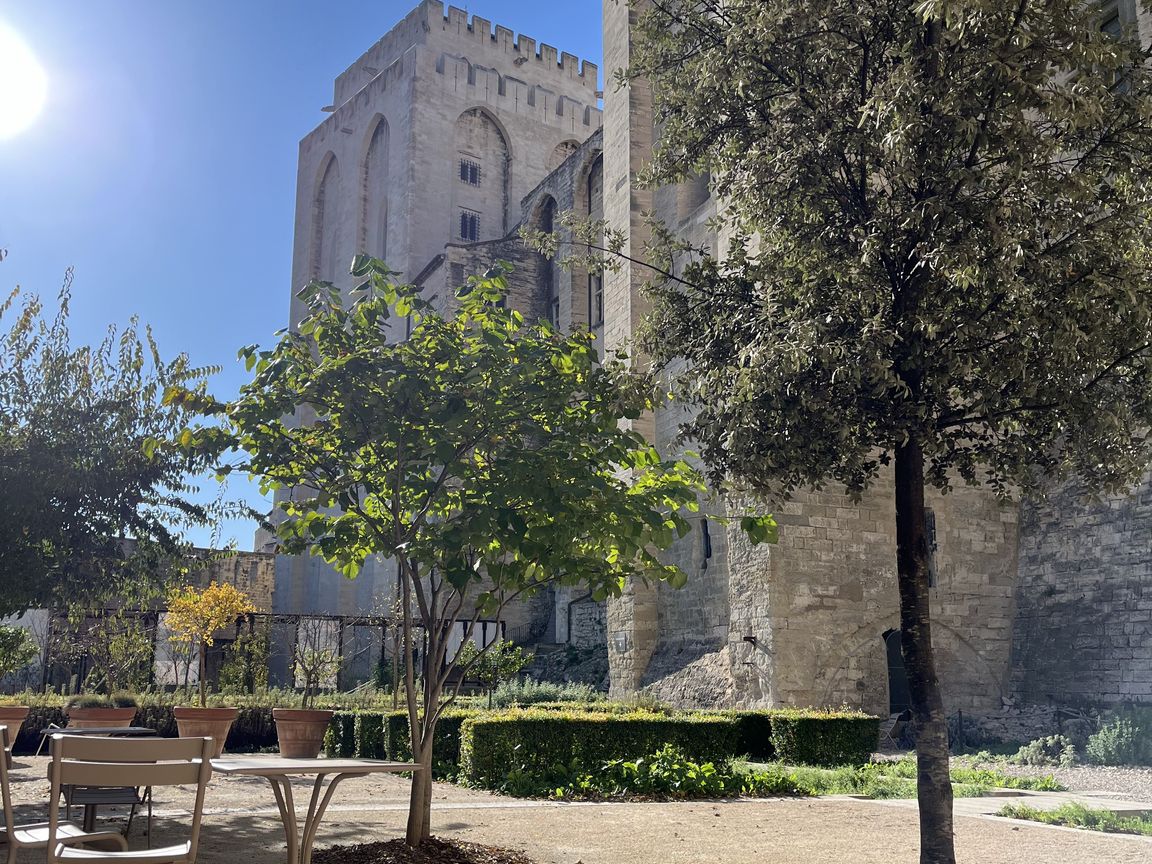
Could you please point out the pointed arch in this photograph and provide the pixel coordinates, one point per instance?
(372, 237)
(482, 177)
(326, 220)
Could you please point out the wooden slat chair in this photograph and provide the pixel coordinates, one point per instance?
(129, 762)
(35, 836)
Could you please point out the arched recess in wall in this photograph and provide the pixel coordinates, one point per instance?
(561, 152)
(544, 219)
(482, 178)
(373, 236)
(326, 220)
(589, 203)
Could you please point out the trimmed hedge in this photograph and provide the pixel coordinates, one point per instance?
(826, 738)
(445, 745)
(493, 746)
(340, 737)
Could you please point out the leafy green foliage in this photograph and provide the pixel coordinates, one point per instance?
(487, 457)
(88, 455)
(824, 738)
(1122, 741)
(1050, 750)
(950, 205)
(897, 779)
(1073, 815)
(501, 662)
(494, 746)
(532, 692)
(18, 649)
(669, 774)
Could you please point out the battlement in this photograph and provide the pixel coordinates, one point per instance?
(476, 38)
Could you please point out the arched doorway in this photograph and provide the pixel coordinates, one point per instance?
(899, 699)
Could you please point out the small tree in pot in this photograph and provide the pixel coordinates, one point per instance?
(18, 649)
(194, 616)
(315, 662)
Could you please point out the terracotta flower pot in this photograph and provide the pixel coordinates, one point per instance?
(94, 718)
(13, 716)
(205, 723)
(300, 732)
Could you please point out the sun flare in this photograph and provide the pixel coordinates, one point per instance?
(23, 84)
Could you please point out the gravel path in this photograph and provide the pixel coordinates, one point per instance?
(1132, 784)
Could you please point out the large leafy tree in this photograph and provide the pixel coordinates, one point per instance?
(487, 457)
(940, 259)
(89, 493)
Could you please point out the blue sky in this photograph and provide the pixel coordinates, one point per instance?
(164, 165)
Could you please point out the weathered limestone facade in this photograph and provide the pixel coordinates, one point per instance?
(446, 119)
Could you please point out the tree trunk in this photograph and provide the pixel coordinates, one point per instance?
(420, 803)
(203, 674)
(933, 786)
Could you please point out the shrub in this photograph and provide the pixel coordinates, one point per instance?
(494, 746)
(1052, 750)
(370, 741)
(445, 744)
(529, 692)
(340, 736)
(668, 773)
(824, 737)
(1121, 742)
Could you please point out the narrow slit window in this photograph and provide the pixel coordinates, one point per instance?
(596, 299)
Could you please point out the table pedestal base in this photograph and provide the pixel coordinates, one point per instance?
(300, 844)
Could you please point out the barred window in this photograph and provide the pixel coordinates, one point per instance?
(470, 172)
(469, 225)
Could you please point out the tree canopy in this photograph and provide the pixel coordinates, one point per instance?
(939, 225)
(89, 488)
(941, 229)
(485, 455)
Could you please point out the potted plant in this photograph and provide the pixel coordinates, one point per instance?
(17, 650)
(300, 731)
(92, 711)
(194, 615)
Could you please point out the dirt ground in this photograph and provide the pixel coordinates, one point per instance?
(241, 824)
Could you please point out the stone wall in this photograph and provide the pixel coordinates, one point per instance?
(1083, 630)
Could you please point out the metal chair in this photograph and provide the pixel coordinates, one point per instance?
(35, 836)
(128, 762)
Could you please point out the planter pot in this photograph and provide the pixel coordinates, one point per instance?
(300, 732)
(205, 723)
(95, 718)
(12, 716)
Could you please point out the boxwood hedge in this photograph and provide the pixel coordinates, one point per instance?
(494, 745)
(814, 737)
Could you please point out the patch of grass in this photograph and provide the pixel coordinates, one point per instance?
(1079, 816)
(897, 779)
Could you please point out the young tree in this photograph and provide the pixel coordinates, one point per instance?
(500, 662)
(194, 615)
(315, 658)
(940, 260)
(79, 458)
(485, 456)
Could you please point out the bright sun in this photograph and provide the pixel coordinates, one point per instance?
(23, 84)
